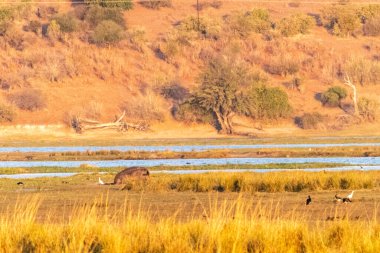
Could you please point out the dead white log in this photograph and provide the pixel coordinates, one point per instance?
(348, 82)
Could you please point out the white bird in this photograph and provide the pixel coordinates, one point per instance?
(349, 196)
(100, 181)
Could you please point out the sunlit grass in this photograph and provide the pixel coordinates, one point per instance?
(238, 226)
(292, 181)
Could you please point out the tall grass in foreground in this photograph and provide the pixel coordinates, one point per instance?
(235, 227)
(294, 181)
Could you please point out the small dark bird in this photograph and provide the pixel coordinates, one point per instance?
(20, 183)
(308, 200)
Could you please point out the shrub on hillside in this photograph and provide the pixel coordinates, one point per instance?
(268, 103)
(257, 20)
(175, 92)
(372, 26)
(157, 4)
(53, 30)
(368, 108)
(282, 65)
(107, 32)
(6, 18)
(368, 12)
(34, 26)
(7, 113)
(29, 100)
(67, 23)
(341, 21)
(95, 15)
(295, 24)
(123, 4)
(363, 71)
(208, 27)
(310, 121)
(333, 96)
(190, 113)
(143, 108)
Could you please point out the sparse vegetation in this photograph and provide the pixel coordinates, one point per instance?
(28, 99)
(154, 4)
(368, 108)
(95, 15)
(363, 71)
(7, 113)
(123, 4)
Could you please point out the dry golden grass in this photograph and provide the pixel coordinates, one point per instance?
(237, 226)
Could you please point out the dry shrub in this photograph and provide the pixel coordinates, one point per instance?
(28, 99)
(145, 108)
(372, 27)
(93, 110)
(368, 108)
(341, 21)
(7, 113)
(363, 71)
(243, 24)
(157, 4)
(284, 64)
(295, 24)
(208, 27)
(137, 38)
(311, 121)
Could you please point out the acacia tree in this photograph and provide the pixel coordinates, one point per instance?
(221, 91)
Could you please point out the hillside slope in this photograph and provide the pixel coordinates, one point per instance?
(69, 75)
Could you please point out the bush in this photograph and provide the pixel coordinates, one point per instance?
(372, 27)
(368, 108)
(123, 4)
(190, 113)
(310, 121)
(268, 103)
(283, 65)
(257, 20)
(107, 32)
(333, 96)
(34, 26)
(156, 4)
(67, 23)
(29, 100)
(6, 113)
(368, 12)
(295, 24)
(209, 28)
(95, 15)
(6, 18)
(54, 30)
(341, 21)
(175, 92)
(143, 108)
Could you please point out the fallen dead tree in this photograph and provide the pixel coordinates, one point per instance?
(80, 125)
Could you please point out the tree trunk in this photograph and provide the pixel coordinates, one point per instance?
(224, 123)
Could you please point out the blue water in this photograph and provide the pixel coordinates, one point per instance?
(193, 162)
(186, 172)
(185, 148)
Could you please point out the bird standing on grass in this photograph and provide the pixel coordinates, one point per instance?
(308, 200)
(20, 183)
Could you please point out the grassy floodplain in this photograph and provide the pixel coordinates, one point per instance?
(227, 226)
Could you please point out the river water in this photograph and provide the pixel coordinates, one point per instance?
(192, 162)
